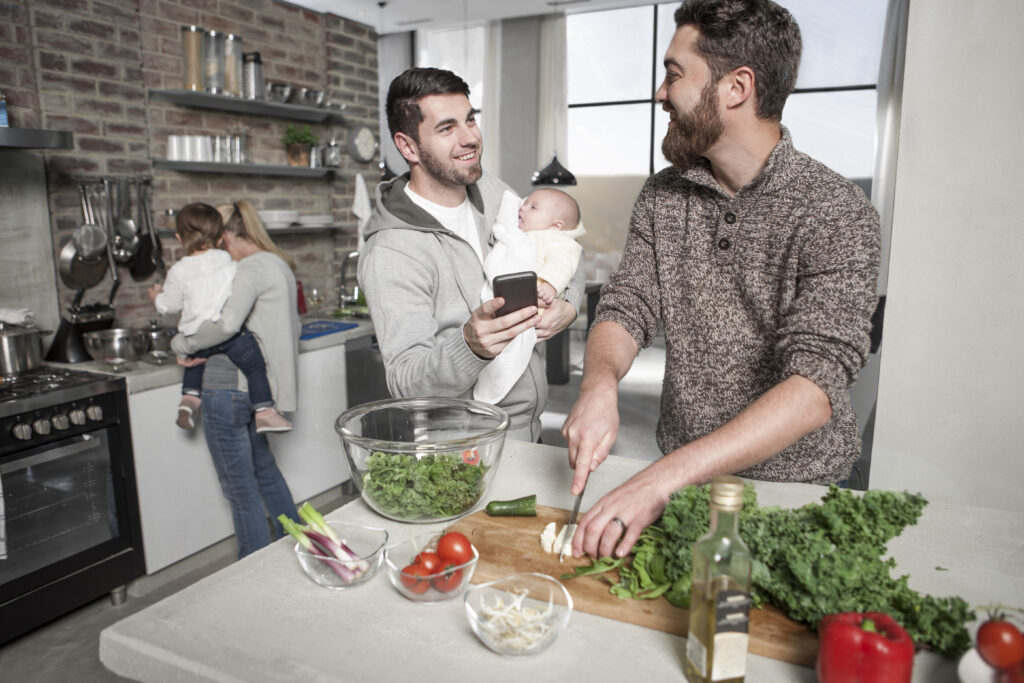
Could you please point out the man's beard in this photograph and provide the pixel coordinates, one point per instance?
(692, 134)
(450, 173)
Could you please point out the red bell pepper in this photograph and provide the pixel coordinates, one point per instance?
(864, 647)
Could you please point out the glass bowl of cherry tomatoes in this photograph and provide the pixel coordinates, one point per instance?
(431, 568)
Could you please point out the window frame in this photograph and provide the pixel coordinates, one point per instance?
(656, 60)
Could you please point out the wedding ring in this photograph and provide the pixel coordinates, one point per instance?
(620, 523)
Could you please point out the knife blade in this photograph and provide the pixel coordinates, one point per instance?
(571, 526)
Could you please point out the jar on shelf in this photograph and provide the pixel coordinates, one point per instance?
(233, 65)
(332, 154)
(214, 57)
(193, 68)
(253, 85)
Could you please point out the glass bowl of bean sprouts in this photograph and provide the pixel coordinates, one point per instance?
(518, 615)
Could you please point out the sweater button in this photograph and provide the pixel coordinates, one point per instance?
(723, 243)
(730, 217)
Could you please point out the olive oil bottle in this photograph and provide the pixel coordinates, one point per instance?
(716, 647)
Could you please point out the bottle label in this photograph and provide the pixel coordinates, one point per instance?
(732, 620)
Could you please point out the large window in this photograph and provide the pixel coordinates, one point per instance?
(615, 65)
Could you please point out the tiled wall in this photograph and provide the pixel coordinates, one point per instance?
(87, 66)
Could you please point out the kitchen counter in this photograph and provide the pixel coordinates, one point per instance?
(262, 619)
(145, 376)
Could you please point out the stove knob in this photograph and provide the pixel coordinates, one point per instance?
(60, 421)
(22, 431)
(95, 413)
(41, 426)
(77, 417)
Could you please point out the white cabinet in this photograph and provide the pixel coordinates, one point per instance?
(182, 507)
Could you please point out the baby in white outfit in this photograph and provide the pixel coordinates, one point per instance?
(552, 218)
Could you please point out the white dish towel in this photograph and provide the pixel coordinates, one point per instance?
(361, 208)
(512, 252)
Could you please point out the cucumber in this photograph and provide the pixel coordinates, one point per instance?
(520, 507)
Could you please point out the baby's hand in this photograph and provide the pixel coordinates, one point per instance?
(545, 294)
(154, 291)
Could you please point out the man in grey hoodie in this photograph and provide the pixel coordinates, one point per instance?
(422, 264)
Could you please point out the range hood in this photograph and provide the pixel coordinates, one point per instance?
(34, 138)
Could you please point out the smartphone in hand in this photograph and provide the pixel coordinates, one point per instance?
(519, 290)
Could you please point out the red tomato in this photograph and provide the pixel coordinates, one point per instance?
(456, 547)
(1000, 643)
(432, 561)
(411, 581)
(471, 456)
(451, 579)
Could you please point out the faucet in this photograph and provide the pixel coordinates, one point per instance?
(343, 298)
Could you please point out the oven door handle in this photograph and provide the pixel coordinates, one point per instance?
(70, 446)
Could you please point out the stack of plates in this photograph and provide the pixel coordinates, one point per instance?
(316, 221)
(278, 219)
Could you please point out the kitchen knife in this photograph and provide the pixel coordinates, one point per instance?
(571, 527)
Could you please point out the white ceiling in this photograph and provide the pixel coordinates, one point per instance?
(408, 15)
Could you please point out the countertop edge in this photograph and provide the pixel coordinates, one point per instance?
(145, 376)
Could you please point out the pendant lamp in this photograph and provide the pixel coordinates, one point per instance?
(553, 42)
(553, 174)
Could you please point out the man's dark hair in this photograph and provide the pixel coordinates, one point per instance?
(411, 86)
(754, 33)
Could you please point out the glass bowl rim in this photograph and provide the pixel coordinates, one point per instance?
(417, 448)
(545, 578)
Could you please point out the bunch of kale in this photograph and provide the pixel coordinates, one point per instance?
(431, 486)
(809, 562)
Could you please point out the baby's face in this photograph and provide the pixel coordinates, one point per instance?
(540, 211)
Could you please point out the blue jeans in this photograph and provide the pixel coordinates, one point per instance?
(244, 351)
(246, 468)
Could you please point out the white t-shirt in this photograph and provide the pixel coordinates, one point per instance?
(460, 219)
(197, 286)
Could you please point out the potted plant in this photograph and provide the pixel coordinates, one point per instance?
(298, 143)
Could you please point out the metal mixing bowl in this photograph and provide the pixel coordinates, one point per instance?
(119, 347)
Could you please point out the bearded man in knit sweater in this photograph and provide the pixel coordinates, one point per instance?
(760, 265)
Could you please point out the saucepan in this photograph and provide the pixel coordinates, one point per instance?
(158, 341)
(21, 348)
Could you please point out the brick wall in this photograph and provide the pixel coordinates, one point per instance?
(87, 66)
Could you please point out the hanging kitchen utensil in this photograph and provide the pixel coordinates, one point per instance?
(76, 272)
(127, 228)
(90, 239)
(158, 253)
(142, 264)
(112, 244)
(121, 252)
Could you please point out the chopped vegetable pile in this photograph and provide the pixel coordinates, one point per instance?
(441, 485)
(811, 561)
(512, 626)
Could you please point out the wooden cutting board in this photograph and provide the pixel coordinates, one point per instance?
(509, 545)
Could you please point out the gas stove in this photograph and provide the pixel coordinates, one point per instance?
(69, 520)
(49, 385)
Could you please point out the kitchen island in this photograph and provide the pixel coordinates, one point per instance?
(262, 619)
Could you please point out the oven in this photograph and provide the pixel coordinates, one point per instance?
(69, 520)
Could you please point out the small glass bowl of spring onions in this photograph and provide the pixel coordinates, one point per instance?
(348, 559)
(520, 614)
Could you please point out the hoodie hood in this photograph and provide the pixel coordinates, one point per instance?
(395, 210)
